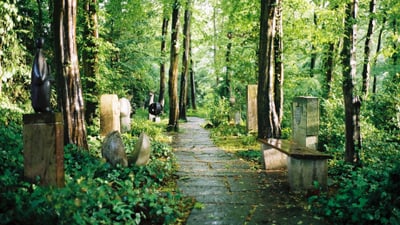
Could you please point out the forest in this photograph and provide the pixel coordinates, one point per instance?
(198, 57)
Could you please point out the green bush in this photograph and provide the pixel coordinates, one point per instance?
(364, 196)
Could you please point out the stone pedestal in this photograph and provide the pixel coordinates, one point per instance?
(43, 136)
(273, 159)
(252, 121)
(303, 172)
(305, 121)
(109, 114)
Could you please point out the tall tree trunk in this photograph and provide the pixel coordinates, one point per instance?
(329, 69)
(185, 63)
(268, 122)
(313, 53)
(367, 48)
(215, 43)
(226, 91)
(67, 71)
(378, 49)
(173, 70)
(164, 32)
(90, 59)
(349, 73)
(279, 72)
(192, 86)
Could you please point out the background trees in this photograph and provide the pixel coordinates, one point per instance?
(124, 56)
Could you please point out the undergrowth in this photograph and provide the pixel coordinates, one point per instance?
(94, 192)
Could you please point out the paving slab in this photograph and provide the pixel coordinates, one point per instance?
(228, 190)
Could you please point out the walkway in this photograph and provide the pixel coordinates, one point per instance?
(227, 189)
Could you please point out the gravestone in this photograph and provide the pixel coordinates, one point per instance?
(125, 115)
(305, 121)
(109, 114)
(43, 136)
(252, 122)
(141, 154)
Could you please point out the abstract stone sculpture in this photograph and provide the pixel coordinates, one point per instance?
(40, 81)
(113, 149)
(141, 154)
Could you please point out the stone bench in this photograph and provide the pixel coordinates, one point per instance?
(305, 165)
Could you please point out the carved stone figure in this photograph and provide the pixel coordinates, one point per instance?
(40, 81)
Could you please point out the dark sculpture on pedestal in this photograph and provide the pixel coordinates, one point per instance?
(40, 81)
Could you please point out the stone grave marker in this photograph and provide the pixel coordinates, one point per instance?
(125, 115)
(109, 114)
(252, 121)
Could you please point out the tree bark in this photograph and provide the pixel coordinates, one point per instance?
(192, 86)
(67, 71)
(367, 49)
(164, 32)
(268, 122)
(349, 73)
(90, 59)
(279, 71)
(185, 63)
(378, 49)
(173, 70)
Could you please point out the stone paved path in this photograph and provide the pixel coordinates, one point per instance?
(229, 191)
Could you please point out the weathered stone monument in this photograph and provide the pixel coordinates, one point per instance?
(113, 149)
(252, 122)
(305, 121)
(125, 115)
(109, 114)
(43, 136)
(141, 154)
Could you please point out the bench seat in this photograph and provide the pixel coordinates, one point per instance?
(305, 165)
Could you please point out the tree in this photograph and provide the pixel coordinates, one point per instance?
(69, 89)
(90, 57)
(185, 63)
(367, 48)
(173, 70)
(269, 122)
(349, 72)
(164, 31)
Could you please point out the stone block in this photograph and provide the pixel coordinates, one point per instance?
(272, 158)
(303, 172)
(109, 114)
(43, 136)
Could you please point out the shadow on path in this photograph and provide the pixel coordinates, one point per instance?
(227, 189)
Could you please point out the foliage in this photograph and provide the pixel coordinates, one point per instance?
(218, 111)
(363, 195)
(94, 192)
